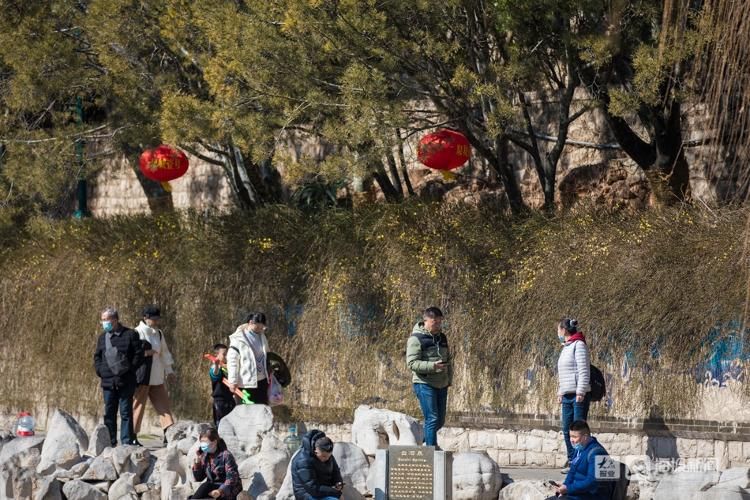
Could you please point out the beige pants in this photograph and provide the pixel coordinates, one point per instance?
(159, 398)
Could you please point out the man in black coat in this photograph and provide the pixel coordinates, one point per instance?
(315, 473)
(119, 354)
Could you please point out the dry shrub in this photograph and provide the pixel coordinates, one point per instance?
(351, 286)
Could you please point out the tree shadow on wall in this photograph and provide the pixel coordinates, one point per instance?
(661, 442)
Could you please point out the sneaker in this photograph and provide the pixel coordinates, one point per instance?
(564, 470)
(135, 442)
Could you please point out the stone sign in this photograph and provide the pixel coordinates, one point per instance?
(410, 472)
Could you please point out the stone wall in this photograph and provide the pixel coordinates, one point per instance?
(545, 448)
(582, 170)
(116, 190)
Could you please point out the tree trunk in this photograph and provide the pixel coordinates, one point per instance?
(662, 160)
(395, 178)
(390, 192)
(497, 156)
(402, 160)
(670, 154)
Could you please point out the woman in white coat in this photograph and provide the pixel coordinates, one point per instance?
(152, 386)
(574, 378)
(246, 359)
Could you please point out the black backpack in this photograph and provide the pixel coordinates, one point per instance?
(598, 388)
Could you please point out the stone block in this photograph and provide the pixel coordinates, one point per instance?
(481, 440)
(722, 454)
(501, 457)
(530, 443)
(518, 458)
(506, 440)
(735, 451)
(536, 458)
(551, 445)
(705, 448)
(605, 438)
(687, 448)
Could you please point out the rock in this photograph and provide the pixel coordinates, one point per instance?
(18, 481)
(100, 469)
(354, 469)
(19, 446)
(286, 492)
(173, 463)
(185, 444)
(375, 429)
(102, 486)
(50, 489)
(149, 472)
(264, 472)
(64, 444)
(79, 490)
(75, 472)
(98, 441)
(736, 476)
(135, 459)
(6, 482)
(684, 484)
(168, 480)
(18, 471)
(80, 469)
(5, 436)
(183, 429)
(244, 428)
(526, 490)
(376, 474)
(123, 488)
(152, 494)
(718, 493)
(475, 476)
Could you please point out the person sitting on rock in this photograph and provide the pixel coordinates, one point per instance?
(582, 482)
(315, 473)
(215, 465)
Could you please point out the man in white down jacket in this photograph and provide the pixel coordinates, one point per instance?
(246, 359)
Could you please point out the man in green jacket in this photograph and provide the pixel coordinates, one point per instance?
(429, 359)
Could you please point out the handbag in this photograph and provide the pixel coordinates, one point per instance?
(275, 391)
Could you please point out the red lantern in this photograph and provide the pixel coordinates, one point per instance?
(444, 150)
(164, 163)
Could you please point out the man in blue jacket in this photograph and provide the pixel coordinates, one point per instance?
(315, 473)
(582, 482)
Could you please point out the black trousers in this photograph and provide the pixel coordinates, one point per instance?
(204, 489)
(222, 408)
(259, 395)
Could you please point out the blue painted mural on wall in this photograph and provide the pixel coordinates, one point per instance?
(727, 355)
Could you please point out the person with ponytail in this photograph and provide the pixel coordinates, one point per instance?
(215, 465)
(574, 378)
(246, 359)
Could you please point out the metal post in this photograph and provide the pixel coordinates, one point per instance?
(81, 188)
